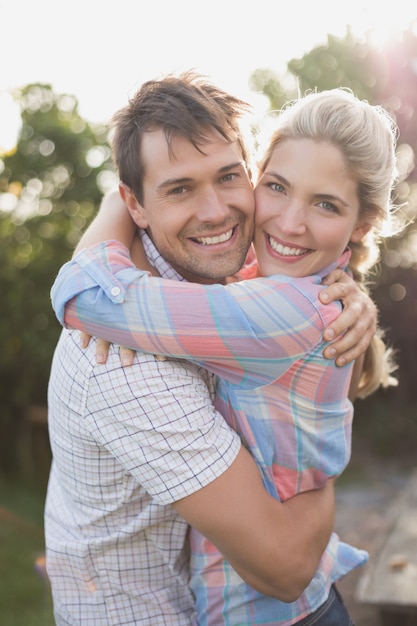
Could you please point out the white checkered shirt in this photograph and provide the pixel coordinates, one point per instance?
(126, 443)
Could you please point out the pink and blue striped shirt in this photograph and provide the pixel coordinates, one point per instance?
(263, 339)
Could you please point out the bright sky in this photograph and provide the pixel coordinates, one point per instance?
(101, 51)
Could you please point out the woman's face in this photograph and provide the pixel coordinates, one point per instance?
(307, 209)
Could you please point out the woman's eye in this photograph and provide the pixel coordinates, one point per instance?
(276, 187)
(329, 206)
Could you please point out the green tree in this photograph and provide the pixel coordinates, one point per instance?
(50, 187)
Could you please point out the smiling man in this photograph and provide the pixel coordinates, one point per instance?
(139, 453)
(198, 205)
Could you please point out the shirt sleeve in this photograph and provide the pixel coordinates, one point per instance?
(157, 419)
(257, 327)
(120, 432)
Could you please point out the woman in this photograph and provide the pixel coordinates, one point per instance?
(323, 191)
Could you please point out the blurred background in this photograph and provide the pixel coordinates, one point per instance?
(66, 68)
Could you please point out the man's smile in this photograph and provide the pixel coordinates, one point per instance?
(215, 239)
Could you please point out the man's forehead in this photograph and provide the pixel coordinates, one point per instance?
(162, 140)
(157, 152)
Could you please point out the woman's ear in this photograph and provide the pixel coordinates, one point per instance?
(136, 210)
(360, 231)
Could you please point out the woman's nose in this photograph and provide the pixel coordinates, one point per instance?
(292, 220)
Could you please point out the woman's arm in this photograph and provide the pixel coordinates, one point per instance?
(259, 326)
(112, 221)
(114, 218)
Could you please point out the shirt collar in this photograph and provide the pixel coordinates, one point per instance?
(342, 263)
(164, 269)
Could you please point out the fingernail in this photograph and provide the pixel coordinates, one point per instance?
(100, 357)
(125, 361)
(329, 334)
(330, 353)
(324, 296)
(342, 361)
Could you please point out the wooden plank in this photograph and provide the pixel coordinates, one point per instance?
(390, 578)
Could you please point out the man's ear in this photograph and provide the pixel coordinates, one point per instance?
(136, 210)
(360, 231)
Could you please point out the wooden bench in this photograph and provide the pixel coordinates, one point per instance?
(390, 579)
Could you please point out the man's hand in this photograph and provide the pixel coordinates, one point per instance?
(358, 318)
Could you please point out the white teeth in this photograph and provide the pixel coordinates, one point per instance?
(209, 241)
(285, 250)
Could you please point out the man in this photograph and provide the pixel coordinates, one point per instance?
(139, 453)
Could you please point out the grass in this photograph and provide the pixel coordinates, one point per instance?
(25, 598)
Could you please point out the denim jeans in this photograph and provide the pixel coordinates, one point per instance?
(332, 613)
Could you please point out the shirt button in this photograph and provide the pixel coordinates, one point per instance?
(115, 291)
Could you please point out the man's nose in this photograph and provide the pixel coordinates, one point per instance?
(212, 206)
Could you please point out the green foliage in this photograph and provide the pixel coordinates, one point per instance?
(25, 597)
(340, 63)
(267, 82)
(49, 190)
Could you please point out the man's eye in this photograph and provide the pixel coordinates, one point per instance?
(177, 191)
(228, 178)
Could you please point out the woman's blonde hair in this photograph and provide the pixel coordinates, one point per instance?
(366, 135)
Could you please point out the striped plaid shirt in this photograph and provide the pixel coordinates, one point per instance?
(263, 338)
(126, 442)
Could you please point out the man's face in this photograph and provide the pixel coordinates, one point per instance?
(198, 207)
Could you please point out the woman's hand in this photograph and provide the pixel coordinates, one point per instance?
(358, 320)
(102, 350)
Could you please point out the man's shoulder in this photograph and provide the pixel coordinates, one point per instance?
(81, 363)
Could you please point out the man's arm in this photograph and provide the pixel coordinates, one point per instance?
(274, 547)
(163, 428)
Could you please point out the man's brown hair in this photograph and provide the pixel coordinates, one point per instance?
(184, 105)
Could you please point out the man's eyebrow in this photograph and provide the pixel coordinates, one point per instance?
(169, 182)
(231, 166)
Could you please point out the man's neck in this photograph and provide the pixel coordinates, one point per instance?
(156, 260)
(161, 267)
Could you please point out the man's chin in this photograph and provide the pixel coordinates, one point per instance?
(210, 273)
